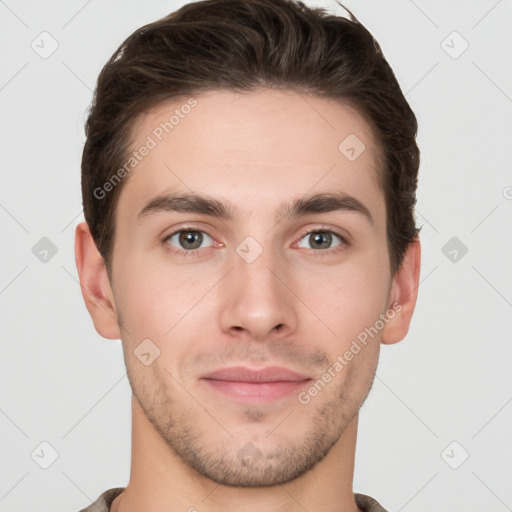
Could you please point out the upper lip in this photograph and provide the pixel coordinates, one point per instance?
(244, 374)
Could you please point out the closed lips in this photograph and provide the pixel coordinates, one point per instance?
(244, 374)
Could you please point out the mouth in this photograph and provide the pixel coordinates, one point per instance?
(255, 385)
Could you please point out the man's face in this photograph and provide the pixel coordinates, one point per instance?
(255, 290)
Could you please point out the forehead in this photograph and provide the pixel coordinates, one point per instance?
(256, 148)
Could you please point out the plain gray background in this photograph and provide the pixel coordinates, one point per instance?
(441, 395)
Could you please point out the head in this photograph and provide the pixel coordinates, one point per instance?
(257, 116)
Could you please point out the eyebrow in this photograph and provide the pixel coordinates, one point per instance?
(313, 204)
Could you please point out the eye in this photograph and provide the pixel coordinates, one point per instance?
(187, 239)
(322, 239)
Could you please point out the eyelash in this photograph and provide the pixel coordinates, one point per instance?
(321, 252)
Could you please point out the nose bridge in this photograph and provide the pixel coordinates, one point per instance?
(257, 300)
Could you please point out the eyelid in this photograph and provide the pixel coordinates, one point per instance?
(330, 229)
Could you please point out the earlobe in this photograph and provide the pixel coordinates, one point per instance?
(404, 293)
(96, 290)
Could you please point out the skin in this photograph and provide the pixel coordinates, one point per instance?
(213, 309)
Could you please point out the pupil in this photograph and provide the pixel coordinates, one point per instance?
(326, 237)
(191, 237)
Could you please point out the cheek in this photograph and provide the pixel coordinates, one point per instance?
(142, 296)
(158, 300)
(348, 298)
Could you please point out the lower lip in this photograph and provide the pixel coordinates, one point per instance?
(256, 391)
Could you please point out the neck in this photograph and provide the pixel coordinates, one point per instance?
(160, 480)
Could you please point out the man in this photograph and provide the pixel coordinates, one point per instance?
(249, 180)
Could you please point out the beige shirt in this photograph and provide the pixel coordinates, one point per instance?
(102, 504)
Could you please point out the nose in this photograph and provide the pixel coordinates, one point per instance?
(258, 299)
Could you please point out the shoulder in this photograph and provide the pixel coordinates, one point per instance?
(368, 504)
(102, 504)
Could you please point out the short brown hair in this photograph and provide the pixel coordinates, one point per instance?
(241, 45)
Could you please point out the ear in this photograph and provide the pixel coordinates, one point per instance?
(96, 289)
(404, 292)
